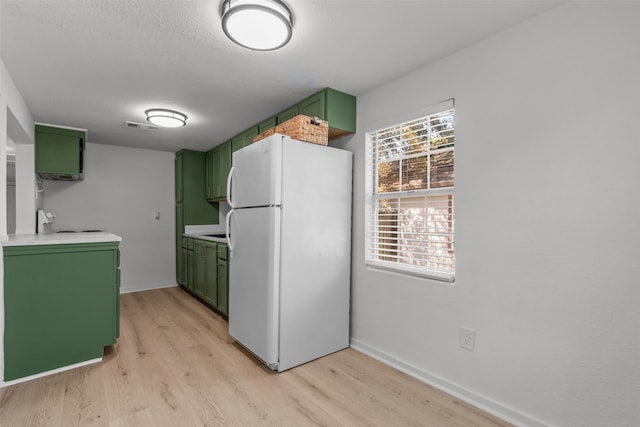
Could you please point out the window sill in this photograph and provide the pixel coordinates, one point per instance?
(448, 278)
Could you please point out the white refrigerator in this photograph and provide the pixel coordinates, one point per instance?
(289, 236)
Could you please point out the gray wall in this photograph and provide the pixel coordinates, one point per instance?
(547, 223)
(122, 190)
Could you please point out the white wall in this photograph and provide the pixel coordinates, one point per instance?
(25, 189)
(547, 223)
(16, 122)
(122, 189)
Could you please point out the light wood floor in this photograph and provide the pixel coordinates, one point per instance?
(175, 365)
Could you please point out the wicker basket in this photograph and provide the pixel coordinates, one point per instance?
(303, 128)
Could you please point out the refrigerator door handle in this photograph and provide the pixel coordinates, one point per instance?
(229, 178)
(228, 221)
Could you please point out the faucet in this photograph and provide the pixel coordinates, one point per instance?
(44, 218)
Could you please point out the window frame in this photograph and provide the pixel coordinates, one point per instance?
(372, 196)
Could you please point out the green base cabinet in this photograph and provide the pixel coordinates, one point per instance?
(223, 279)
(200, 268)
(188, 264)
(208, 266)
(61, 305)
(210, 294)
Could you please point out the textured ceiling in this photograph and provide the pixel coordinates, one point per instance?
(95, 64)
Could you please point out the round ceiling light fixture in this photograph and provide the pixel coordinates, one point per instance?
(257, 24)
(166, 118)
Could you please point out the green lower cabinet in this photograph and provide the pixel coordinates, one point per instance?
(179, 230)
(223, 286)
(211, 289)
(211, 274)
(61, 305)
(187, 268)
(200, 268)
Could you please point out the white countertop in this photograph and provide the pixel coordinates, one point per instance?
(203, 237)
(59, 238)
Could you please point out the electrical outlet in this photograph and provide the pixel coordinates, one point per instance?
(467, 338)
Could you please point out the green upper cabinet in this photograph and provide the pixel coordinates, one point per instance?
(190, 188)
(209, 175)
(179, 184)
(59, 153)
(237, 142)
(337, 108)
(267, 124)
(220, 166)
(244, 139)
(192, 207)
(314, 106)
(287, 114)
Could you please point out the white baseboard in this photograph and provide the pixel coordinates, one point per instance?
(147, 288)
(51, 372)
(499, 410)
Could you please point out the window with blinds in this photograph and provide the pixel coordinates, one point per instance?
(410, 197)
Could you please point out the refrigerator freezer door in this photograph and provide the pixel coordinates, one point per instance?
(256, 176)
(254, 280)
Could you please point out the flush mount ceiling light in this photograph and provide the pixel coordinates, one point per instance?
(166, 118)
(257, 24)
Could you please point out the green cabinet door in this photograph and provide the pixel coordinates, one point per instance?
(249, 134)
(188, 266)
(118, 277)
(267, 124)
(59, 151)
(60, 305)
(178, 178)
(211, 291)
(200, 268)
(223, 286)
(210, 175)
(314, 106)
(337, 108)
(237, 143)
(196, 209)
(192, 207)
(287, 114)
(179, 232)
(244, 139)
(222, 159)
(184, 268)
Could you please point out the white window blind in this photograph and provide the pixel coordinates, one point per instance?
(410, 197)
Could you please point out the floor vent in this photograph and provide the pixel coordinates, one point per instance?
(143, 126)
